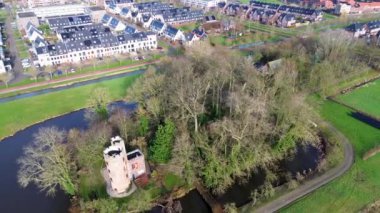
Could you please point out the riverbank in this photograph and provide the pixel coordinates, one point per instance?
(19, 114)
(360, 185)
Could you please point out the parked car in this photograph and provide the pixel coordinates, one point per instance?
(24, 65)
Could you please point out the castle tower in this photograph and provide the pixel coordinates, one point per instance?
(116, 160)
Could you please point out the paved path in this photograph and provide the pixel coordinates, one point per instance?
(71, 78)
(10, 31)
(315, 183)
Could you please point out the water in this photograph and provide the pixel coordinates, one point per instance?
(306, 158)
(193, 202)
(13, 198)
(73, 85)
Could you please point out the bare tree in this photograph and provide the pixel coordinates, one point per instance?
(98, 102)
(6, 77)
(47, 163)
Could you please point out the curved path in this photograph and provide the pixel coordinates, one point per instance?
(315, 183)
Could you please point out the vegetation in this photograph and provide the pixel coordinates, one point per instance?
(47, 163)
(211, 116)
(365, 98)
(213, 105)
(45, 28)
(360, 185)
(162, 144)
(16, 116)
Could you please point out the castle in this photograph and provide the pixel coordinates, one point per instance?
(122, 168)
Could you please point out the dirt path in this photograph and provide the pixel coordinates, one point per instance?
(71, 78)
(315, 183)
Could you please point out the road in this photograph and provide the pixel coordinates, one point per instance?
(315, 183)
(71, 78)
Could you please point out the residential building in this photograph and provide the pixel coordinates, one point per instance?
(2, 67)
(96, 13)
(286, 20)
(23, 18)
(65, 21)
(157, 27)
(204, 4)
(80, 43)
(270, 13)
(178, 16)
(60, 10)
(173, 34)
(98, 3)
(343, 8)
(126, 13)
(120, 3)
(33, 33)
(149, 7)
(116, 25)
(130, 30)
(43, 3)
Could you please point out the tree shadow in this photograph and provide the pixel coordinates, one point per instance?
(366, 119)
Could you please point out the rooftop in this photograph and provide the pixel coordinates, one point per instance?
(26, 14)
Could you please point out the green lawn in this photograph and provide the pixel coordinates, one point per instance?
(361, 184)
(366, 98)
(22, 113)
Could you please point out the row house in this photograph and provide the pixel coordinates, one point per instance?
(32, 32)
(179, 16)
(371, 28)
(113, 23)
(173, 34)
(167, 31)
(304, 13)
(119, 3)
(195, 36)
(149, 7)
(286, 20)
(63, 21)
(203, 4)
(85, 48)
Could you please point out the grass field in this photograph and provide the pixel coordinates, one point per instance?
(22, 113)
(366, 98)
(361, 184)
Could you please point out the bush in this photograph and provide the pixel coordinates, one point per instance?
(172, 181)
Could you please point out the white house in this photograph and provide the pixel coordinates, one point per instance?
(2, 67)
(93, 43)
(157, 27)
(174, 34)
(116, 25)
(33, 33)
